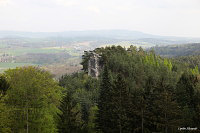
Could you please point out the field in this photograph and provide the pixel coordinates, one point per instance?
(23, 51)
(57, 55)
(58, 58)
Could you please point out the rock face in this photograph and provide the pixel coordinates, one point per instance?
(94, 67)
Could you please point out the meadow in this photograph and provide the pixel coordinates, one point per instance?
(39, 53)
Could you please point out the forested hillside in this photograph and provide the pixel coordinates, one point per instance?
(188, 54)
(136, 92)
(60, 52)
(178, 50)
(142, 92)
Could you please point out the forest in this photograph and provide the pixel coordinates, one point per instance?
(178, 50)
(137, 91)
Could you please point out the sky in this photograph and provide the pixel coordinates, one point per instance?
(159, 17)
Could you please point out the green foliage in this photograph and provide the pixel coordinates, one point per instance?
(85, 59)
(4, 85)
(105, 120)
(186, 97)
(195, 71)
(5, 120)
(92, 117)
(122, 109)
(137, 91)
(33, 100)
(152, 83)
(168, 64)
(178, 50)
(82, 93)
(68, 119)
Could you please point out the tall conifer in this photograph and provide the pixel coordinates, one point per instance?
(104, 114)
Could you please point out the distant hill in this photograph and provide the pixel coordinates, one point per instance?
(115, 34)
(98, 38)
(178, 50)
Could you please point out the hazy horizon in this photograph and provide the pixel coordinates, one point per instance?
(166, 18)
(97, 31)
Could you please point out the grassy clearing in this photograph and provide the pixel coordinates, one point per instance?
(62, 49)
(3, 45)
(58, 48)
(23, 51)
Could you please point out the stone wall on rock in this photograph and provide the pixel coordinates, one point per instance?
(94, 67)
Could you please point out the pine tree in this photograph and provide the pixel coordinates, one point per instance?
(4, 86)
(104, 114)
(185, 93)
(85, 115)
(5, 120)
(68, 120)
(122, 106)
(166, 111)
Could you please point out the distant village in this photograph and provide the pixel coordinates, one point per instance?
(6, 58)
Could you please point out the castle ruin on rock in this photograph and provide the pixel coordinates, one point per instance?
(94, 66)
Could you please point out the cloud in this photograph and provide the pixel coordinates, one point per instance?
(94, 9)
(66, 3)
(180, 4)
(4, 2)
(166, 17)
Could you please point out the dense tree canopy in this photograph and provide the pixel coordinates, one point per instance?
(148, 97)
(136, 92)
(32, 100)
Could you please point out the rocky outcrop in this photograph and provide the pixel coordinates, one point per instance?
(94, 66)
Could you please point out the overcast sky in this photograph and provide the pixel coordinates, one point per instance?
(160, 17)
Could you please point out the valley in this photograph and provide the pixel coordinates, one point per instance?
(51, 51)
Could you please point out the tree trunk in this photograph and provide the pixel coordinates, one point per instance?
(27, 121)
(120, 126)
(165, 123)
(142, 120)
